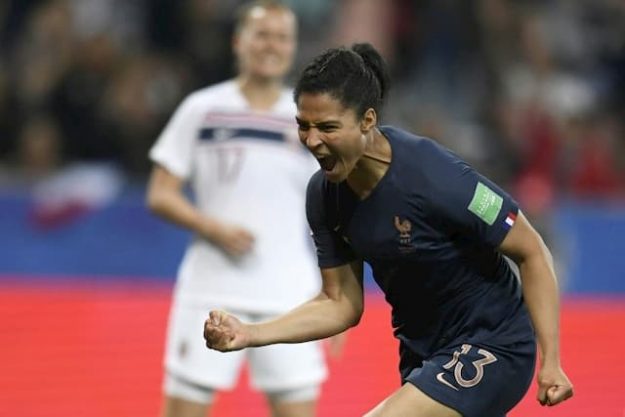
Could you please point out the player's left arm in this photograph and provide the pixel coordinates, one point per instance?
(540, 289)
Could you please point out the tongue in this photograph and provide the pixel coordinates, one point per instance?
(327, 163)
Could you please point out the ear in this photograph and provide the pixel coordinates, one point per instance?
(369, 120)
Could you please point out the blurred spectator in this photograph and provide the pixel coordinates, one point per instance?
(137, 103)
(207, 33)
(43, 52)
(357, 17)
(7, 118)
(39, 149)
(12, 17)
(123, 21)
(77, 100)
(594, 167)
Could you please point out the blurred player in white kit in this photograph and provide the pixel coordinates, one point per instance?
(236, 144)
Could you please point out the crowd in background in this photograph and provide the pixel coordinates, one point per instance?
(531, 92)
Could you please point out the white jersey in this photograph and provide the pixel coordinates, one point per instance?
(246, 168)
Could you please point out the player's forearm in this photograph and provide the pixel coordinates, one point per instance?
(540, 290)
(175, 208)
(317, 319)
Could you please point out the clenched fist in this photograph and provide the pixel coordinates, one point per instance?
(224, 332)
(553, 386)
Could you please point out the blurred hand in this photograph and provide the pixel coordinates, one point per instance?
(553, 386)
(234, 240)
(224, 332)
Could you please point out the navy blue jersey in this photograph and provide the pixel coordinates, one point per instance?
(430, 231)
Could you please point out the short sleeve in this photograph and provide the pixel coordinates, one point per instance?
(174, 147)
(332, 250)
(465, 200)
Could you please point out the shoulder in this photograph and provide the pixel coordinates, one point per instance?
(420, 147)
(213, 94)
(287, 95)
(315, 200)
(322, 193)
(285, 106)
(419, 154)
(317, 185)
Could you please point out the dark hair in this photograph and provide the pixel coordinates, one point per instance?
(355, 76)
(243, 11)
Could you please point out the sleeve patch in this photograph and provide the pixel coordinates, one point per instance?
(486, 204)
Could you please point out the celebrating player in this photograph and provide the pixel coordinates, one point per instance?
(435, 233)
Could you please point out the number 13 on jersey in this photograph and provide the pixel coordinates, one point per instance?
(457, 365)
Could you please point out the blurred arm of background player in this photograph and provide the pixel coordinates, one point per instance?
(336, 345)
(166, 198)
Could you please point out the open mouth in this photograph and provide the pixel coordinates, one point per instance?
(327, 162)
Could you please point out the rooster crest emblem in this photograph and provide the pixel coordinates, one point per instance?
(403, 227)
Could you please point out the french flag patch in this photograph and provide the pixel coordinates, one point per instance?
(510, 219)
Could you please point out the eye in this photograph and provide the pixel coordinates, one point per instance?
(302, 128)
(263, 34)
(283, 37)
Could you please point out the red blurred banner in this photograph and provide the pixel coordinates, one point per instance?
(96, 351)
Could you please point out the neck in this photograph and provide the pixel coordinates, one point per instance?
(372, 166)
(260, 93)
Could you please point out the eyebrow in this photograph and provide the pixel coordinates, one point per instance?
(319, 124)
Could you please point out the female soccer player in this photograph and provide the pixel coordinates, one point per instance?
(235, 143)
(435, 233)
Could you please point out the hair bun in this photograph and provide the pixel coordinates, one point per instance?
(375, 62)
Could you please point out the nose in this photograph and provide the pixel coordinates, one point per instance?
(311, 138)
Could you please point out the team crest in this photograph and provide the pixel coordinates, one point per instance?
(404, 227)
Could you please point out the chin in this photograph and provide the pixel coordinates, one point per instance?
(272, 73)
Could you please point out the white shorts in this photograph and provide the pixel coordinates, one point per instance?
(271, 368)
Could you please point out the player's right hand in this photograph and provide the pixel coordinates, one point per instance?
(224, 332)
(234, 240)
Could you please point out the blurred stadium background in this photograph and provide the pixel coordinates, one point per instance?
(530, 92)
